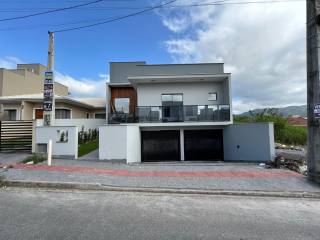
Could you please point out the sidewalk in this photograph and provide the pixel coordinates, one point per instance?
(188, 176)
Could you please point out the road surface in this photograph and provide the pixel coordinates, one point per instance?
(41, 214)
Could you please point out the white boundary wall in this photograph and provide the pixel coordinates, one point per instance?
(67, 149)
(120, 142)
(87, 123)
(249, 142)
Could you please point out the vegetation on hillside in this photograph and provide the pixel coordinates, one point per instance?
(283, 132)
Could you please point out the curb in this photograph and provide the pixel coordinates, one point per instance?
(100, 187)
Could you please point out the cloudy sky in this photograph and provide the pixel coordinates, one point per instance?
(262, 45)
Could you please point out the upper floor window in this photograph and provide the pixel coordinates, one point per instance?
(122, 105)
(172, 99)
(213, 96)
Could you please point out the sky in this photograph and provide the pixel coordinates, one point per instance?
(263, 46)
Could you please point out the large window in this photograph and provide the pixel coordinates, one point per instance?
(122, 105)
(172, 107)
(10, 114)
(63, 113)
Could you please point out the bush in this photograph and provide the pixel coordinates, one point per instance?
(35, 158)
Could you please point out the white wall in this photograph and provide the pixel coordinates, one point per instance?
(193, 93)
(113, 142)
(90, 123)
(133, 144)
(249, 142)
(120, 143)
(63, 149)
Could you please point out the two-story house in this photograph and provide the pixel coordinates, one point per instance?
(177, 112)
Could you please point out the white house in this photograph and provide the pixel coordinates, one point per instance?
(177, 112)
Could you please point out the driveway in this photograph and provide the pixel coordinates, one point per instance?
(11, 158)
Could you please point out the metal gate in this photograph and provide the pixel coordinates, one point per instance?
(16, 136)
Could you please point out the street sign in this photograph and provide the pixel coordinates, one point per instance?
(316, 111)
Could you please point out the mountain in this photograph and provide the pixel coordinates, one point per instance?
(285, 111)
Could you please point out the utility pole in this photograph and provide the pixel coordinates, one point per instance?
(49, 101)
(313, 88)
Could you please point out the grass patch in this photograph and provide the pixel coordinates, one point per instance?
(35, 158)
(1, 178)
(85, 148)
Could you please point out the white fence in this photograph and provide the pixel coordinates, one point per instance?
(86, 123)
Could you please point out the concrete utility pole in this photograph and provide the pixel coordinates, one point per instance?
(313, 85)
(49, 98)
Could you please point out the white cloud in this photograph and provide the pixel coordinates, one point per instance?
(9, 62)
(262, 45)
(84, 87)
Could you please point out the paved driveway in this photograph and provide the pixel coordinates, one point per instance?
(11, 158)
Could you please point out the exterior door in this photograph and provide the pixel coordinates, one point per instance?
(160, 146)
(38, 114)
(203, 145)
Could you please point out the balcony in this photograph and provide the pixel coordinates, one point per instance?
(164, 114)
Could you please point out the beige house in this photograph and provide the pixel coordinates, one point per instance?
(21, 96)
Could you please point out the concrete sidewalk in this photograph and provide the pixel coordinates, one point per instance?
(189, 176)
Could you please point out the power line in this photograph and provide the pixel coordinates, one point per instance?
(51, 11)
(145, 7)
(116, 19)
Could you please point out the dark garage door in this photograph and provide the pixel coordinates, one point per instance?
(203, 145)
(160, 146)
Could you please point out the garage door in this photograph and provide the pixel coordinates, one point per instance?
(160, 146)
(203, 145)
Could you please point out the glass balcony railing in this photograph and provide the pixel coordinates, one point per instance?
(186, 113)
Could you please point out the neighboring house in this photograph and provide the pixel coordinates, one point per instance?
(21, 96)
(29, 107)
(173, 112)
(297, 120)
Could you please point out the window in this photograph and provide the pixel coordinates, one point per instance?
(100, 115)
(213, 97)
(11, 114)
(63, 113)
(122, 105)
(172, 99)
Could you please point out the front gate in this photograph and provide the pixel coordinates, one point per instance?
(16, 136)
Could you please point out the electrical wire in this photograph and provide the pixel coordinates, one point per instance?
(51, 11)
(115, 19)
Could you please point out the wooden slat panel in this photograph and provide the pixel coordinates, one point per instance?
(16, 136)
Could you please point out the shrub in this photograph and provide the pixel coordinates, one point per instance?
(35, 158)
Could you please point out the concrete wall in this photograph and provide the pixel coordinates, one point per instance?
(249, 142)
(120, 143)
(119, 71)
(113, 142)
(133, 144)
(193, 93)
(59, 149)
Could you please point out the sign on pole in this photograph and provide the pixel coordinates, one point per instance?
(48, 97)
(316, 110)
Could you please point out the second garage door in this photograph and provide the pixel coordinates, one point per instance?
(160, 146)
(203, 145)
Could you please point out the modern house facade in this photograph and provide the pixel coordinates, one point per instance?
(176, 112)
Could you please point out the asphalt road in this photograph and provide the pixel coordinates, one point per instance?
(39, 214)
